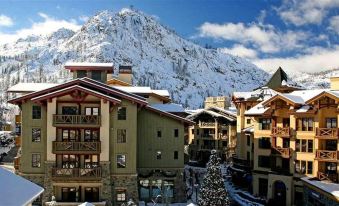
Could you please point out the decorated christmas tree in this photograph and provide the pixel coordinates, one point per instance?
(212, 191)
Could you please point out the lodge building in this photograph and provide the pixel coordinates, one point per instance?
(288, 138)
(96, 138)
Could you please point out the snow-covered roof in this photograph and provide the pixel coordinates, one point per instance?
(17, 190)
(302, 96)
(258, 109)
(331, 188)
(248, 129)
(30, 87)
(88, 64)
(169, 107)
(304, 108)
(231, 112)
(259, 94)
(164, 93)
(212, 113)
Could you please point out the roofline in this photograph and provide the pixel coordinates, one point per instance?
(206, 111)
(281, 97)
(92, 68)
(318, 96)
(75, 87)
(118, 80)
(319, 188)
(176, 117)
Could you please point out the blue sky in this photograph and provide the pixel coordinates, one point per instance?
(297, 35)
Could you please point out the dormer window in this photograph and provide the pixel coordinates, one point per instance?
(96, 75)
(81, 74)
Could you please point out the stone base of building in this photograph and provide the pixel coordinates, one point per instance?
(124, 184)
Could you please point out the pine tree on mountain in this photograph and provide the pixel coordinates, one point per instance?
(213, 191)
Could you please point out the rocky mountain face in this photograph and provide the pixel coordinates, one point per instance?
(159, 57)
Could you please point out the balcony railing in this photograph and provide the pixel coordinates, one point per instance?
(283, 152)
(327, 177)
(88, 120)
(207, 147)
(76, 147)
(77, 173)
(327, 133)
(327, 155)
(281, 131)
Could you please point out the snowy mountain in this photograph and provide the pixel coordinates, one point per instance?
(159, 58)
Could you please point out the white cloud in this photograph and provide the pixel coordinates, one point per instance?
(264, 37)
(45, 27)
(319, 60)
(241, 51)
(5, 20)
(301, 12)
(334, 24)
(83, 18)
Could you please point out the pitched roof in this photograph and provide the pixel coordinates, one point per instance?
(169, 107)
(280, 79)
(185, 120)
(30, 87)
(208, 111)
(17, 190)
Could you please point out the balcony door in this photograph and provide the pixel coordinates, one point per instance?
(68, 194)
(286, 122)
(69, 110)
(91, 194)
(70, 135)
(331, 145)
(331, 122)
(92, 111)
(91, 135)
(70, 161)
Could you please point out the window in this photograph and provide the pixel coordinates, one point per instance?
(70, 110)
(121, 195)
(176, 155)
(264, 143)
(36, 160)
(158, 155)
(331, 122)
(69, 135)
(248, 121)
(248, 137)
(68, 194)
(192, 131)
(121, 136)
(121, 113)
(168, 188)
(92, 111)
(176, 132)
(36, 134)
(305, 124)
(309, 167)
(198, 131)
(121, 161)
(81, 73)
(304, 145)
(303, 167)
(159, 133)
(91, 135)
(263, 161)
(91, 161)
(264, 124)
(297, 145)
(96, 75)
(309, 145)
(36, 112)
(248, 107)
(91, 194)
(70, 161)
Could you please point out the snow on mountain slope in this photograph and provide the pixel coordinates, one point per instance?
(159, 57)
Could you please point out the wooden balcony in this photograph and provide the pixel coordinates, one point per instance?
(76, 120)
(327, 155)
(283, 152)
(16, 163)
(77, 173)
(281, 131)
(18, 119)
(328, 177)
(76, 147)
(207, 124)
(327, 133)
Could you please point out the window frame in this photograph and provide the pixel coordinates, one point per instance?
(125, 161)
(36, 112)
(121, 139)
(122, 116)
(36, 139)
(176, 155)
(36, 160)
(121, 196)
(176, 133)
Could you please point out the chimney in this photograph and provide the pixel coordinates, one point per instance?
(334, 83)
(125, 74)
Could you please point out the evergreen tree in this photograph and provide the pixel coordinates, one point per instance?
(212, 191)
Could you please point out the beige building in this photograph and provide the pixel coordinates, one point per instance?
(214, 129)
(86, 140)
(291, 142)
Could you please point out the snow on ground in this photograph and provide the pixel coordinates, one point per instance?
(6, 142)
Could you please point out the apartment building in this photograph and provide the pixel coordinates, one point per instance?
(290, 138)
(86, 140)
(214, 129)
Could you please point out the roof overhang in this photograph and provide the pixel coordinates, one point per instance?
(173, 116)
(278, 96)
(322, 94)
(90, 66)
(72, 89)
